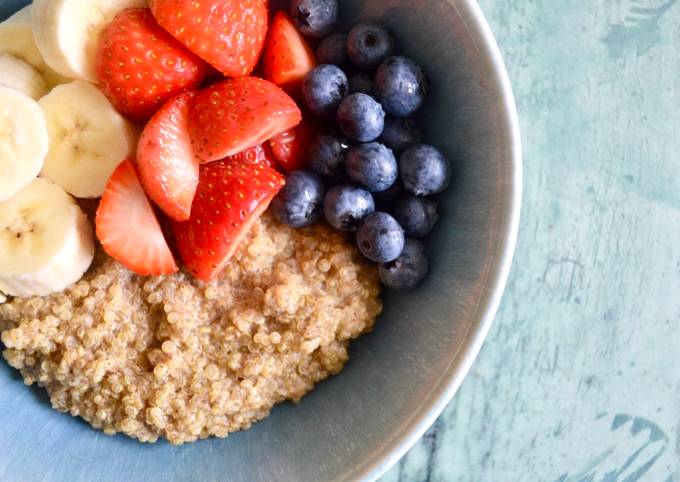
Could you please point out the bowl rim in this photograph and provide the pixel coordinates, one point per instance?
(406, 436)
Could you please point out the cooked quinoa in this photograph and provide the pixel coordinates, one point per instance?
(177, 358)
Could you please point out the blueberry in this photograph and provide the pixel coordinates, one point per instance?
(314, 18)
(361, 118)
(332, 50)
(385, 200)
(417, 215)
(408, 270)
(361, 82)
(424, 170)
(401, 86)
(368, 44)
(324, 88)
(299, 203)
(372, 165)
(399, 133)
(345, 207)
(380, 238)
(326, 155)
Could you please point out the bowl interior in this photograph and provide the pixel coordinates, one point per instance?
(399, 377)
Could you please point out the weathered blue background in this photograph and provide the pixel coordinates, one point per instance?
(580, 378)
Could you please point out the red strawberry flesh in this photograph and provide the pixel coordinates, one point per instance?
(237, 114)
(168, 168)
(287, 57)
(127, 226)
(229, 35)
(231, 196)
(140, 65)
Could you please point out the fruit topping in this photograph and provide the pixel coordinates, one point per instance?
(127, 226)
(229, 35)
(237, 114)
(380, 238)
(369, 44)
(231, 196)
(300, 202)
(140, 66)
(346, 207)
(315, 18)
(168, 167)
(287, 56)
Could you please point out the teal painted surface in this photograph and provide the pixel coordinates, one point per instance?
(580, 377)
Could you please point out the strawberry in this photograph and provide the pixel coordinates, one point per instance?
(261, 154)
(140, 65)
(127, 226)
(230, 197)
(291, 148)
(229, 35)
(237, 114)
(167, 165)
(287, 57)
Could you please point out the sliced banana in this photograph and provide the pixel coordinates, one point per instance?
(22, 76)
(24, 142)
(16, 38)
(67, 32)
(46, 242)
(88, 138)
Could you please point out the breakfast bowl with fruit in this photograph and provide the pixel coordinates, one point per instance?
(208, 207)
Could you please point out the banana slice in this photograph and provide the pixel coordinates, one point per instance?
(21, 76)
(88, 138)
(67, 32)
(16, 38)
(46, 242)
(23, 141)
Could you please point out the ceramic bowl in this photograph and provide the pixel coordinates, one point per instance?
(355, 425)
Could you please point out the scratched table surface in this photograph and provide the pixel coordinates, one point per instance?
(579, 379)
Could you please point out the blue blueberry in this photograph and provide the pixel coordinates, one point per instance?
(424, 170)
(400, 133)
(417, 215)
(314, 18)
(401, 86)
(361, 118)
(332, 50)
(361, 82)
(385, 200)
(369, 44)
(345, 207)
(372, 165)
(299, 203)
(327, 154)
(408, 270)
(324, 88)
(380, 238)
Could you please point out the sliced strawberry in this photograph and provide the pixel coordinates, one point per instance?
(167, 165)
(230, 197)
(237, 114)
(229, 35)
(287, 57)
(291, 148)
(261, 154)
(140, 65)
(127, 226)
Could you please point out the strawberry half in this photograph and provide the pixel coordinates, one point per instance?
(261, 154)
(229, 35)
(291, 148)
(287, 57)
(127, 226)
(140, 65)
(237, 114)
(167, 165)
(230, 197)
